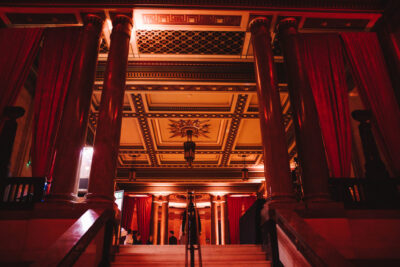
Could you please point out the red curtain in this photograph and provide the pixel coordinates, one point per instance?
(19, 48)
(127, 212)
(236, 207)
(322, 56)
(370, 74)
(144, 216)
(55, 68)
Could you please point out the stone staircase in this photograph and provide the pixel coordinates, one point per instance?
(174, 255)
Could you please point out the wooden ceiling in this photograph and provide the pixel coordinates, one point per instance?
(188, 64)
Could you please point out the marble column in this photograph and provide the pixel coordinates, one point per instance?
(73, 127)
(309, 141)
(223, 236)
(276, 159)
(106, 145)
(213, 220)
(216, 224)
(155, 220)
(164, 221)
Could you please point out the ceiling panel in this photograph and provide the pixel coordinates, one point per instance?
(130, 133)
(249, 134)
(164, 139)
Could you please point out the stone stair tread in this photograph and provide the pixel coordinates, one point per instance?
(174, 255)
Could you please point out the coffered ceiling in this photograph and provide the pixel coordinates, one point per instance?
(192, 63)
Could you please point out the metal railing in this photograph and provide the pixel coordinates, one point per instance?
(192, 233)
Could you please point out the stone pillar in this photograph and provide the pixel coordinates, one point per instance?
(223, 236)
(276, 159)
(155, 221)
(164, 221)
(309, 141)
(216, 224)
(106, 145)
(213, 220)
(72, 133)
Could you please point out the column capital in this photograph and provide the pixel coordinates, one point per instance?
(93, 19)
(287, 23)
(257, 22)
(122, 23)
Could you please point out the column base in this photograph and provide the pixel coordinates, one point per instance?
(281, 198)
(100, 201)
(61, 198)
(317, 198)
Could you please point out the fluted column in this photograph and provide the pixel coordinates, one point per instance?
(309, 141)
(276, 159)
(106, 145)
(155, 221)
(73, 127)
(164, 221)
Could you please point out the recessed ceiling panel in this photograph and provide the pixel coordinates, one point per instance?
(215, 137)
(249, 134)
(130, 133)
(190, 102)
(179, 158)
(190, 42)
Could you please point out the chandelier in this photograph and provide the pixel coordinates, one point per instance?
(190, 129)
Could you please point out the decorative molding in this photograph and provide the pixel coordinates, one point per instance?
(180, 127)
(239, 108)
(144, 127)
(185, 88)
(190, 42)
(191, 19)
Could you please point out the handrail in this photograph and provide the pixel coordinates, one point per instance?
(314, 248)
(21, 192)
(188, 232)
(70, 246)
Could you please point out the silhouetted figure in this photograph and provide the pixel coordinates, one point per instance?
(172, 239)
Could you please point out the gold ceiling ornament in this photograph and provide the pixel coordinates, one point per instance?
(181, 127)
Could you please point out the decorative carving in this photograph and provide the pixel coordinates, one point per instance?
(192, 19)
(242, 99)
(190, 42)
(180, 127)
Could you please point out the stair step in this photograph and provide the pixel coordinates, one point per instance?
(174, 255)
(205, 264)
(214, 257)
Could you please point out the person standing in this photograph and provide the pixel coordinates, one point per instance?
(172, 239)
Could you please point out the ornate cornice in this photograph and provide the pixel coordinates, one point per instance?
(229, 4)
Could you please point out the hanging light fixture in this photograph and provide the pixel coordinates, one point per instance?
(189, 147)
(245, 171)
(132, 171)
(189, 128)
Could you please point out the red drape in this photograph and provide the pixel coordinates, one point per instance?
(370, 74)
(144, 216)
(323, 60)
(127, 212)
(19, 48)
(236, 207)
(55, 68)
